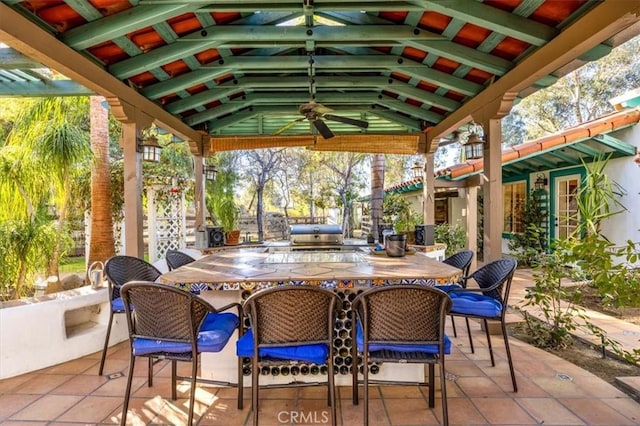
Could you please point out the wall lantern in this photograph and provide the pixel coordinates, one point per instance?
(417, 170)
(474, 142)
(151, 149)
(541, 182)
(210, 172)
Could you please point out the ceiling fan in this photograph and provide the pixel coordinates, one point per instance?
(316, 114)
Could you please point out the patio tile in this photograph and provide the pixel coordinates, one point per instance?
(116, 387)
(13, 403)
(596, 412)
(353, 414)
(11, 384)
(462, 412)
(43, 384)
(48, 407)
(412, 412)
(77, 366)
(392, 392)
(548, 411)
(273, 410)
(91, 409)
(481, 387)
(83, 384)
(141, 411)
(224, 412)
(625, 406)
(503, 411)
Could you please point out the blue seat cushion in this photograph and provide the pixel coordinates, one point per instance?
(470, 303)
(215, 332)
(316, 352)
(448, 287)
(117, 305)
(409, 347)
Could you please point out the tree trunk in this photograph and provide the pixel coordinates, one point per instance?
(259, 212)
(377, 191)
(102, 242)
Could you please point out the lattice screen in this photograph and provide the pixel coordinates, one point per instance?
(166, 220)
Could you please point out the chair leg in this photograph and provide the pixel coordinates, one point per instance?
(469, 334)
(486, 328)
(354, 372)
(443, 393)
(192, 396)
(240, 384)
(174, 373)
(150, 373)
(255, 387)
(332, 391)
(365, 381)
(127, 393)
(432, 386)
(453, 324)
(106, 343)
(506, 345)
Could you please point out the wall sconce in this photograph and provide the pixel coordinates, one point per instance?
(210, 172)
(417, 170)
(541, 182)
(474, 142)
(151, 149)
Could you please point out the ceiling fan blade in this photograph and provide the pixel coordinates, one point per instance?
(288, 125)
(346, 120)
(323, 129)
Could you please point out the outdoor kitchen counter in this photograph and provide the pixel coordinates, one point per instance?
(257, 268)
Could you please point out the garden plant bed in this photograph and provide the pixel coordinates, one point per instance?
(588, 356)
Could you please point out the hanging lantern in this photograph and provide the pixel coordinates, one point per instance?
(416, 170)
(151, 150)
(210, 173)
(473, 143)
(541, 182)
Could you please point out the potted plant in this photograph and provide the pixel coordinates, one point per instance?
(226, 214)
(397, 210)
(370, 238)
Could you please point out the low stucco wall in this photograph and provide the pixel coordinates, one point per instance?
(42, 331)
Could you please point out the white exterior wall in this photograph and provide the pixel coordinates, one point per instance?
(625, 226)
(458, 210)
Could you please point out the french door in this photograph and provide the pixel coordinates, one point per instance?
(566, 217)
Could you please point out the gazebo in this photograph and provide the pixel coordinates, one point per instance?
(367, 76)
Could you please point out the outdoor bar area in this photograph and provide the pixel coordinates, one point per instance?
(226, 276)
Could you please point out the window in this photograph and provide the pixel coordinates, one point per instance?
(514, 198)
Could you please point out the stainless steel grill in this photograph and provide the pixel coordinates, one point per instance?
(316, 235)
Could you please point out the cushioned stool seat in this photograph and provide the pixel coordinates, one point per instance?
(373, 347)
(475, 304)
(214, 334)
(316, 353)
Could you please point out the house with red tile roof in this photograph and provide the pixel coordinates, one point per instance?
(552, 167)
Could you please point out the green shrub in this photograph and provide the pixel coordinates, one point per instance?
(454, 236)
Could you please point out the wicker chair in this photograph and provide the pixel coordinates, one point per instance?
(177, 258)
(169, 323)
(289, 323)
(461, 260)
(487, 302)
(120, 270)
(402, 324)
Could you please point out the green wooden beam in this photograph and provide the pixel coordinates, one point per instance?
(43, 89)
(494, 19)
(125, 22)
(614, 143)
(12, 59)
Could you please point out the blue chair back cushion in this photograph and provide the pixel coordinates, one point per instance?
(374, 347)
(215, 332)
(470, 303)
(316, 352)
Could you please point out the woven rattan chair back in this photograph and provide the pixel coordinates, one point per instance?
(461, 260)
(122, 269)
(176, 259)
(402, 315)
(163, 312)
(291, 314)
(119, 270)
(498, 273)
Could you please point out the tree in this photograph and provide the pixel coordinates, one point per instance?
(377, 191)
(53, 130)
(102, 243)
(262, 167)
(344, 179)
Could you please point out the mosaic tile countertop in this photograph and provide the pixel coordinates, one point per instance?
(255, 268)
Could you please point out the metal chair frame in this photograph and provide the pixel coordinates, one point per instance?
(177, 258)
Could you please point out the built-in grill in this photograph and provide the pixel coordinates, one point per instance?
(311, 235)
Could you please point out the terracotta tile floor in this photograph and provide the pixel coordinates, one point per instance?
(478, 394)
(551, 391)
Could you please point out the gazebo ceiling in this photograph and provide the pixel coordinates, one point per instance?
(237, 69)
